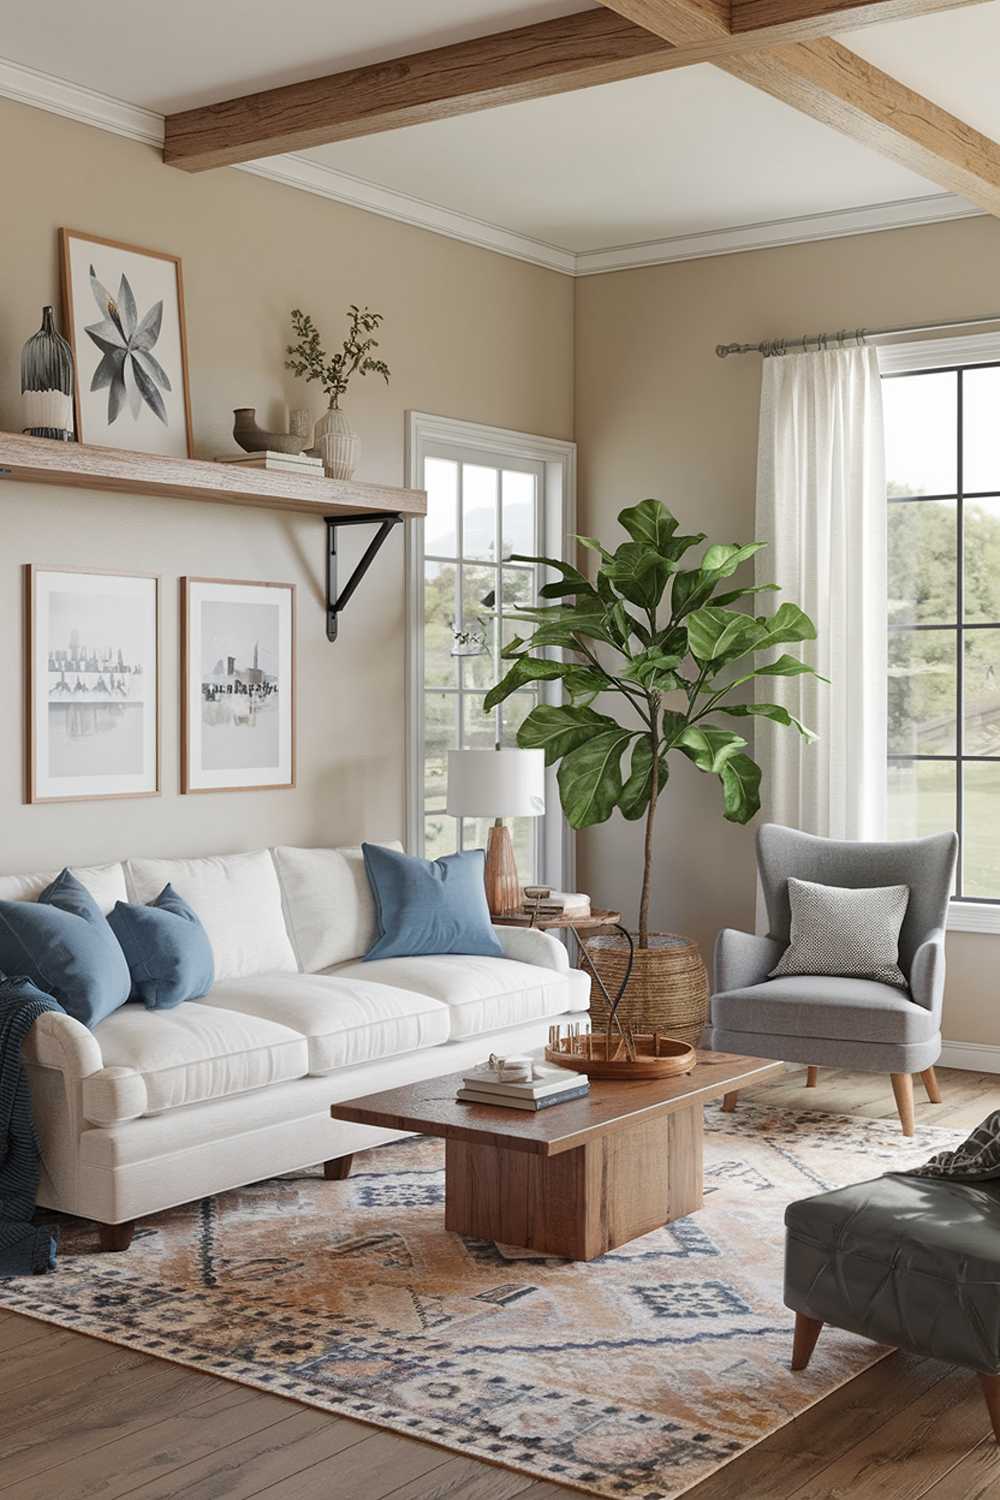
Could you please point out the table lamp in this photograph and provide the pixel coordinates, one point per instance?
(497, 784)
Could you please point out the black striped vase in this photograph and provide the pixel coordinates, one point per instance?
(47, 383)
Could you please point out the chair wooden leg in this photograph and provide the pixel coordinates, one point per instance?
(902, 1087)
(811, 1074)
(807, 1331)
(729, 1102)
(931, 1085)
(338, 1169)
(991, 1390)
(116, 1236)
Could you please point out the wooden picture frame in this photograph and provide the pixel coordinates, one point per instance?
(111, 697)
(140, 403)
(231, 669)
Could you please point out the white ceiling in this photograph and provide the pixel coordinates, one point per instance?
(685, 162)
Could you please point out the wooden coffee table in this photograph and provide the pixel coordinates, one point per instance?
(576, 1179)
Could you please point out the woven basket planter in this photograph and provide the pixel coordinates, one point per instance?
(667, 990)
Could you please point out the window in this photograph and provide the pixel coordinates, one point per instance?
(942, 430)
(490, 495)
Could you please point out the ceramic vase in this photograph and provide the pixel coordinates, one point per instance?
(339, 447)
(254, 439)
(47, 383)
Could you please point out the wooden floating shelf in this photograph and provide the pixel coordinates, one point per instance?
(43, 461)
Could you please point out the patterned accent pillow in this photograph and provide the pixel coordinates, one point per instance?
(843, 933)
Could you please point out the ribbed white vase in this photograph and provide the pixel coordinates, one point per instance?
(339, 447)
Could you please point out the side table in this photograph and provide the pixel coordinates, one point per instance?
(577, 925)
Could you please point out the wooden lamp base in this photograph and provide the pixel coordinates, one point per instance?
(503, 889)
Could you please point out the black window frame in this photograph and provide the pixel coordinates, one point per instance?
(958, 758)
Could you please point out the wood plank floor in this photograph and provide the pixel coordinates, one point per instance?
(80, 1418)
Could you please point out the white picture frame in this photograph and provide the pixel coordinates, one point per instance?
(238, 687)
(92, 671)
(123, 309)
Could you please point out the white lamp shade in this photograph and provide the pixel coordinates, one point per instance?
(496, 783)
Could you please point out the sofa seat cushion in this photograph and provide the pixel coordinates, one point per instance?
(908, 1261)
(482, 994)
(344, 1021)
(162, 1061)
(856, 1010)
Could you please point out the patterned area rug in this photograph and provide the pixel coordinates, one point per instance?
(636, 1375)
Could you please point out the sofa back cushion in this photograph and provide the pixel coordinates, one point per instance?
(328, 904)
(106, 883)
(237, 899)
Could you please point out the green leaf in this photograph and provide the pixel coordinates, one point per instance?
(720, 635)
(584, 683)
(678, 545)
(789, 623)
(557, 729)
(695, 586)
(590, 777)
(708, 747)
(773, 711)
(649, 523)
(635, 794)
(593, 545)
(639, 574)
(760, 588)
(654, 670)
(725, 557)
(525, 669)
(512, 648)
(740, 778)
(588, 617)
(672, 726)
(788, 666)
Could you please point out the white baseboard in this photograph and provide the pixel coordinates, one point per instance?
(974, 1057)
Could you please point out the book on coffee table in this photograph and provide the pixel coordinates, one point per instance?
(510, 1101)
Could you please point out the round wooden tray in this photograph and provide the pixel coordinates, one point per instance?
(655, 1056)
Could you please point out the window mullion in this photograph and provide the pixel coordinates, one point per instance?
(960, 639)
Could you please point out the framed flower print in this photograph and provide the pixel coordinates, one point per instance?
(124, 316)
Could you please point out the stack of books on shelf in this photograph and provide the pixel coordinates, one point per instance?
(549, 1085)
(280, 463)
(545, 903)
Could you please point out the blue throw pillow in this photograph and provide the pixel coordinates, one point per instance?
(429, 905)
(63, 944)
(168, 951)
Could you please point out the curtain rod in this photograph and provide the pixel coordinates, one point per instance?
(845, 336)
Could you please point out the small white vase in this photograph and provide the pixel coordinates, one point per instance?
(339, 447)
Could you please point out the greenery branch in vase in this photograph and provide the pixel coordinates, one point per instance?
(338, 446)
(669, 644)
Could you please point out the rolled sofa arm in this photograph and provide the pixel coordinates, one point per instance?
(743, 959)
(530, 946)
(57, 1041)
(927, 973)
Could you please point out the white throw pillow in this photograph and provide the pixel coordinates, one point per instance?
(328, 904)
(844, 933)
(106, 883)
(236, 897)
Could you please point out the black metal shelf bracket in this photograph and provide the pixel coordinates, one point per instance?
(335, 602)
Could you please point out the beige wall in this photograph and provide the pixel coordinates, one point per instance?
(658, 414)
(467, 333)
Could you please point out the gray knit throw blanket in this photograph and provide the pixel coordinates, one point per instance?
(25, 1248)
(977, 1159)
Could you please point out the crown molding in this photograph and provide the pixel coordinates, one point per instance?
(906, 213)
(74, 102)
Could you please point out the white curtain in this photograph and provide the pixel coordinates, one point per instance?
(821, 510)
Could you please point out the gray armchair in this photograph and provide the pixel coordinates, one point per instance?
(832, 1022)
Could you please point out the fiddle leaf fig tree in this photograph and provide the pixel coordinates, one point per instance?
(668, 642)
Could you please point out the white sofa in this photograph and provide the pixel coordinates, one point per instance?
(155, 1108)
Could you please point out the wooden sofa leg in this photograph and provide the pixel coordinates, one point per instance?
(729, 1102)
(902, 1087)
(807, 1331)
(991, 1391)
(337, 1169)
(811, 1075)
(116, 1236)
(931, 1085)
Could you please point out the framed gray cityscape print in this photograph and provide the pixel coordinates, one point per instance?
(92, 670)
(237, 685)
(123, 309)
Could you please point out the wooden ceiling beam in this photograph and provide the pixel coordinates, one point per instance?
(622, 39)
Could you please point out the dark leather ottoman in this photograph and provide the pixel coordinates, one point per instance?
(908, 1261)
